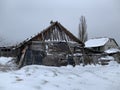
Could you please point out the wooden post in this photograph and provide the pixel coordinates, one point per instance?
(43, 40)
(83, 55)
(22, 57)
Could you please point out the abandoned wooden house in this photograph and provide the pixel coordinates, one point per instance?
(48, 47)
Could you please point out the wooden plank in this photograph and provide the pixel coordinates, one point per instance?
(22, 57)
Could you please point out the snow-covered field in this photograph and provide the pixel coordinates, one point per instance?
(35, 77)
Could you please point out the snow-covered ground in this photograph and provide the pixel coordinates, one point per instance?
(36, 77)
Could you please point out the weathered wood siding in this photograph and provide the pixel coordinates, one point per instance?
(110, 44)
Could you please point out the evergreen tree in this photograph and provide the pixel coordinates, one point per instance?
(83, 36)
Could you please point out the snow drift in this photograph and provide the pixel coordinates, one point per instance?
(36, 77)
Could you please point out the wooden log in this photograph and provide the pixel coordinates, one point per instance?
(58, 33)
(22, 58)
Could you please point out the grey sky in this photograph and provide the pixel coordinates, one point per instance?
(20, 19)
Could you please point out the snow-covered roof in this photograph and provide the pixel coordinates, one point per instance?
(112, 50)
(96, 42)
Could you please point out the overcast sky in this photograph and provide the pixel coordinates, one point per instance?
(20, 19)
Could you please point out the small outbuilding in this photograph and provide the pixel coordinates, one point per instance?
(7, 51)
(106, 47)
(101, 44)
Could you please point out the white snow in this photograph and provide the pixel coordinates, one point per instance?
(36, 77)
(96, 42)
(106, 58)
(7, 64)
(77, 54)
(4, 60)
(112, 50)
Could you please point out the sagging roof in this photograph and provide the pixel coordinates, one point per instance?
(55, 32)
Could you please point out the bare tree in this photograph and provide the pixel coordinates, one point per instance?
(83, 36)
